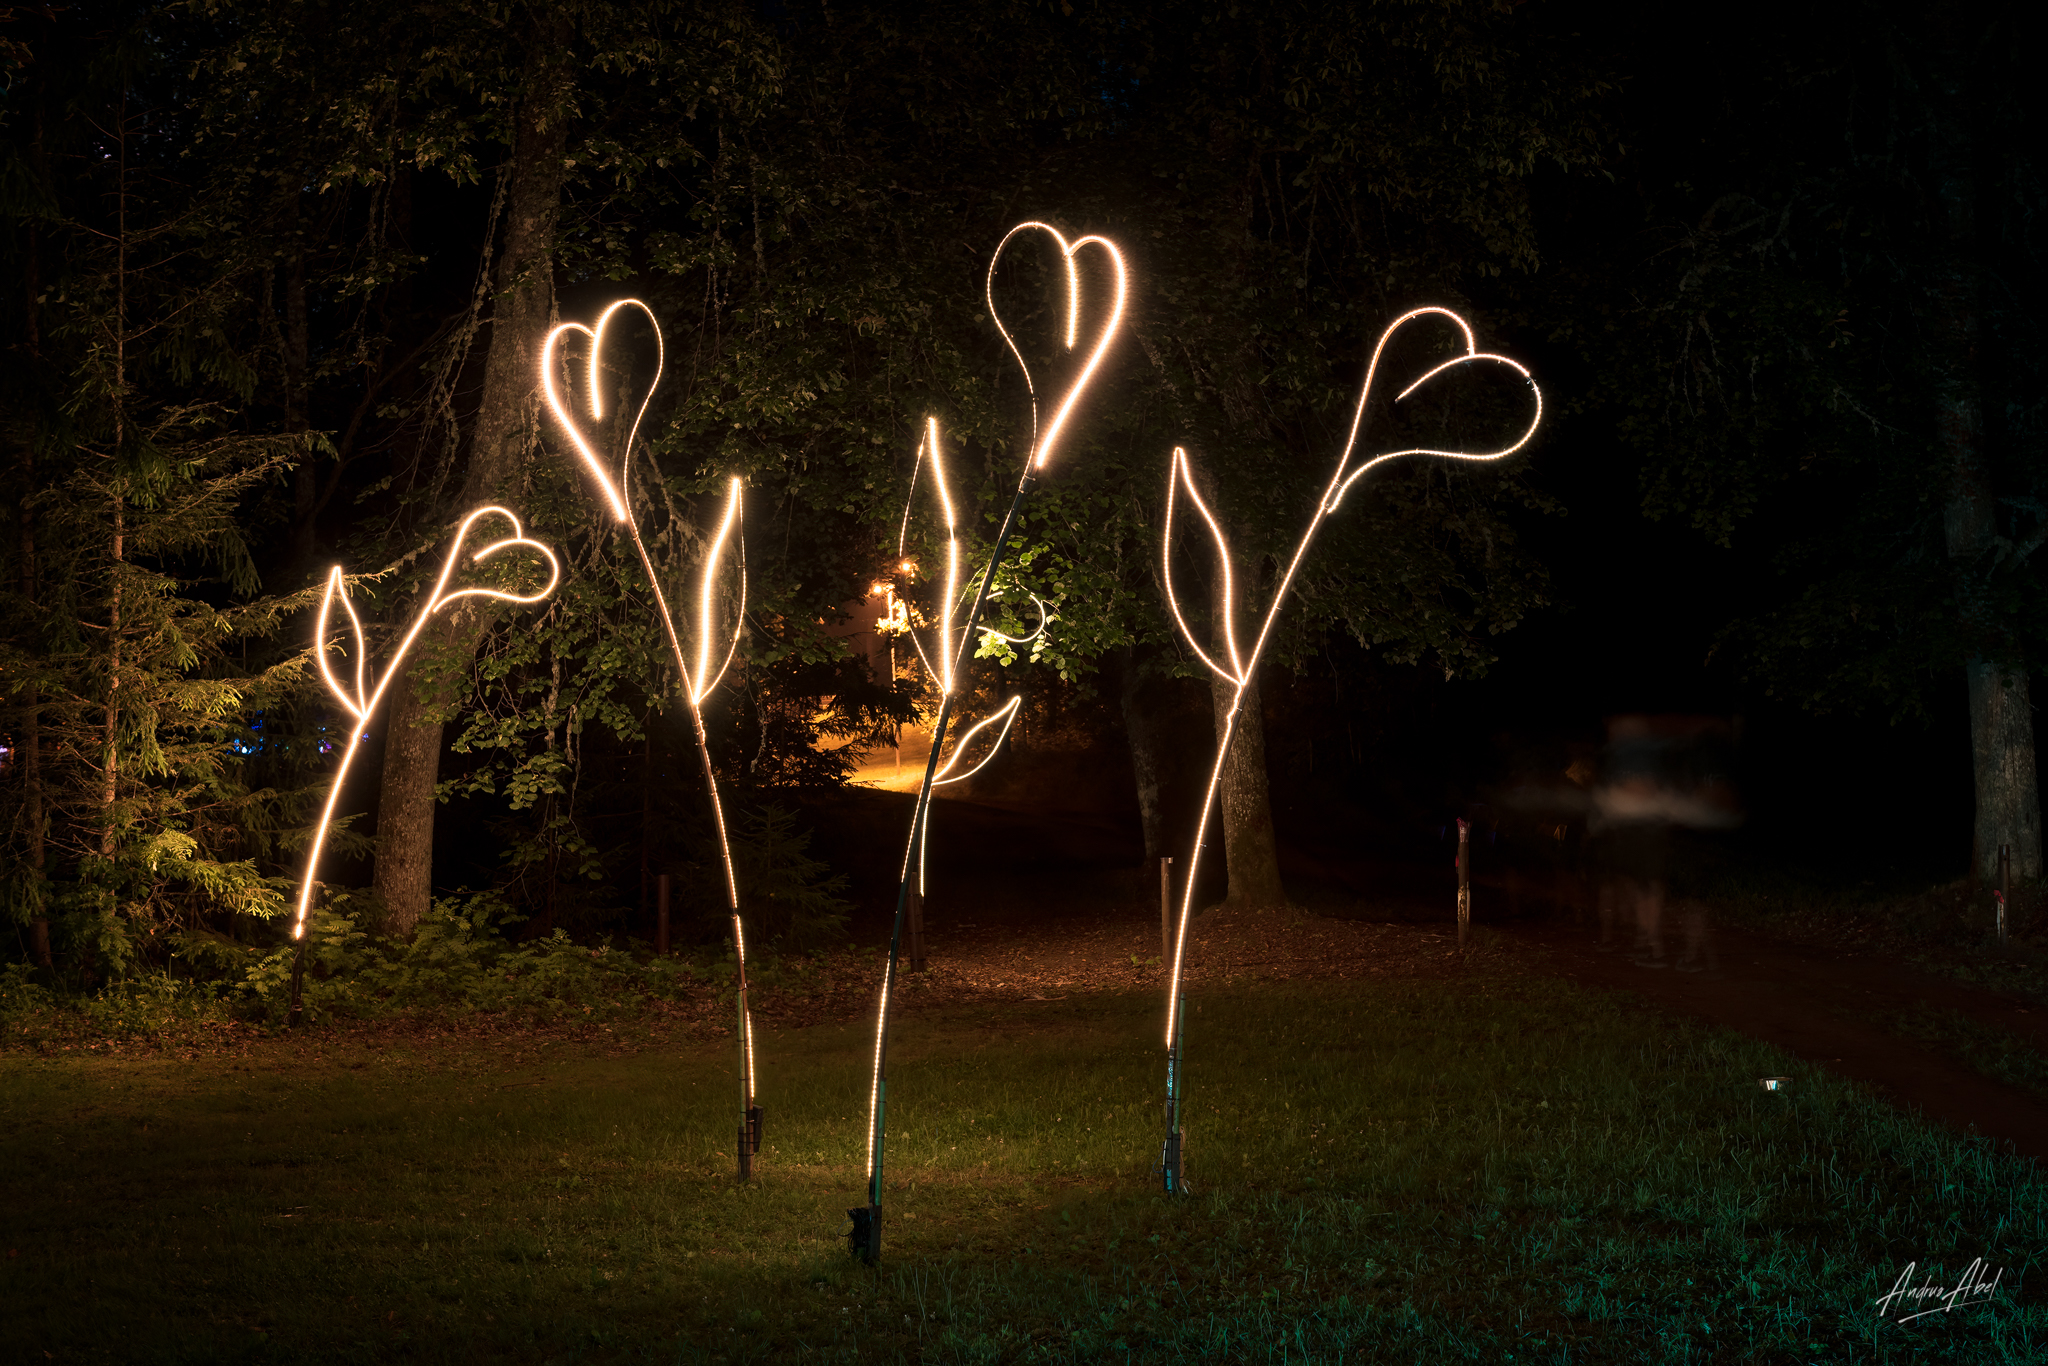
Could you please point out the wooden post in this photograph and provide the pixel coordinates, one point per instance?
(916, 927)
(1166, 914)
(661, 916)
(2004, 891)
(1464, 882)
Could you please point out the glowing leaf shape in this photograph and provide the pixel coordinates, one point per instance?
(1182, 478)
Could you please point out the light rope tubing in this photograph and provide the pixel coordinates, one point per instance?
(867, 1230)
(1243, 668)
(697, 684)
(359, 704)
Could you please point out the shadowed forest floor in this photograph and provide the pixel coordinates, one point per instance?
(1449, 1159)
(1399, 1149)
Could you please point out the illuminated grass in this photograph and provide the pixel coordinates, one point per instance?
(1391, 1171)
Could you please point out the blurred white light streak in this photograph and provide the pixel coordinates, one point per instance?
(358, 704)
(1180, 481)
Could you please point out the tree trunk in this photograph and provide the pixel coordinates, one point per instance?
(2002, 753)
(110, 771)
(522, 309)
(1249, 847)
(1144, 731)
(2001, 717)
(32, 732)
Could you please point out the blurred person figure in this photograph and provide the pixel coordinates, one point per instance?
(1665, 785)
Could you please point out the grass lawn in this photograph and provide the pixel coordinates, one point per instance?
(1480, 1168)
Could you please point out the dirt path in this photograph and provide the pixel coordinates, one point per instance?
(975, 963)
(1828, 1008)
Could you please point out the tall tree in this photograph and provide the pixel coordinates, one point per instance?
(1839, 286)
(131, 599)
(2001, 715)
(502, 439)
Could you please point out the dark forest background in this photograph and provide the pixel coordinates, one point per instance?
(276, 277)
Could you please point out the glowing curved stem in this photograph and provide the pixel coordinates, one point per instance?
(1243, 669)
(698, 683)
(357, 704)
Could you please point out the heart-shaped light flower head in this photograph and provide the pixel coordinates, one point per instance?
(1043, 444)
(614, 489)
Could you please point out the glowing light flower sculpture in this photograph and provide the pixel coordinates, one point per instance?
(358, 699)
(942, 659)
(866, 1237)
(1238, 667)
(697, 680)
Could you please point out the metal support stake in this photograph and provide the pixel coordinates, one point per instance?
(917, 929)
(865, 1241)
(1169, 1167)
(2004, 891)
(1464, 881)
(749, 1141)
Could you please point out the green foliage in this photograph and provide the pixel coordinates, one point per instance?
(1276, 212)
(468, 955)
(135, 642)
(257, 244)
(461, 959)
(20, 994)
(791, 901)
